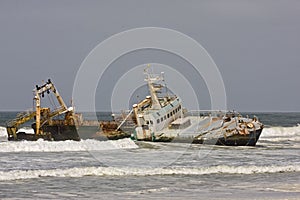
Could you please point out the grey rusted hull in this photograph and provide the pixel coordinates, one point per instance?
(70, 132)
(50, 133)
(235, 140)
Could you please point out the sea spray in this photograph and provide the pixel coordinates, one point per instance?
(122, 171)
(63, 146)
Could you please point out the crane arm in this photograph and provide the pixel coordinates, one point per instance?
(12, 126)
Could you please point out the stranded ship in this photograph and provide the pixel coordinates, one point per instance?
(156, 118)
(60, 123)
(163, 119)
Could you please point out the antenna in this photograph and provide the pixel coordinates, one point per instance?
(163, 79)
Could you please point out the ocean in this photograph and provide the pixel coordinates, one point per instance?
(123, 169)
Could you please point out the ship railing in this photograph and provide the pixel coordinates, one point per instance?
(22, 116)
(127, 116)
(124, 118)
(120, 116)
(211, 113)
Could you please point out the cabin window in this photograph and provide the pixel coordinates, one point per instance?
(161, 119)
(151, 122)
(168, 115)
(165, 117)
(171, 113)
(174, 112)
(157, 120)
(147, 122)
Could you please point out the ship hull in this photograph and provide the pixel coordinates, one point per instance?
(241, 140)
(50, 133)
(70, 132)
(235, 140)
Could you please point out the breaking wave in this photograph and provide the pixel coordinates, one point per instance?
(281, 131)
(69, 145)
(277, 134)
(270, 134)
(60, 146)
(112, 171)
(3, 133)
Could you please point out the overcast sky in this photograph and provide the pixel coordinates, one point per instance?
(255, 45)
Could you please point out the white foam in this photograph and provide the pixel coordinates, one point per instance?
(281, 139)
(112, 171)
(69, 145)
(27, 130)
(281, 131)
(3, 132)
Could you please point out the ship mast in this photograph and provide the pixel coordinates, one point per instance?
(151, 80)
(40, 90)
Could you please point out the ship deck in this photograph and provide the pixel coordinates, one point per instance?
(198, 125)
(204, 127)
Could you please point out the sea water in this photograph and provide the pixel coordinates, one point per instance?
(123, 169)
